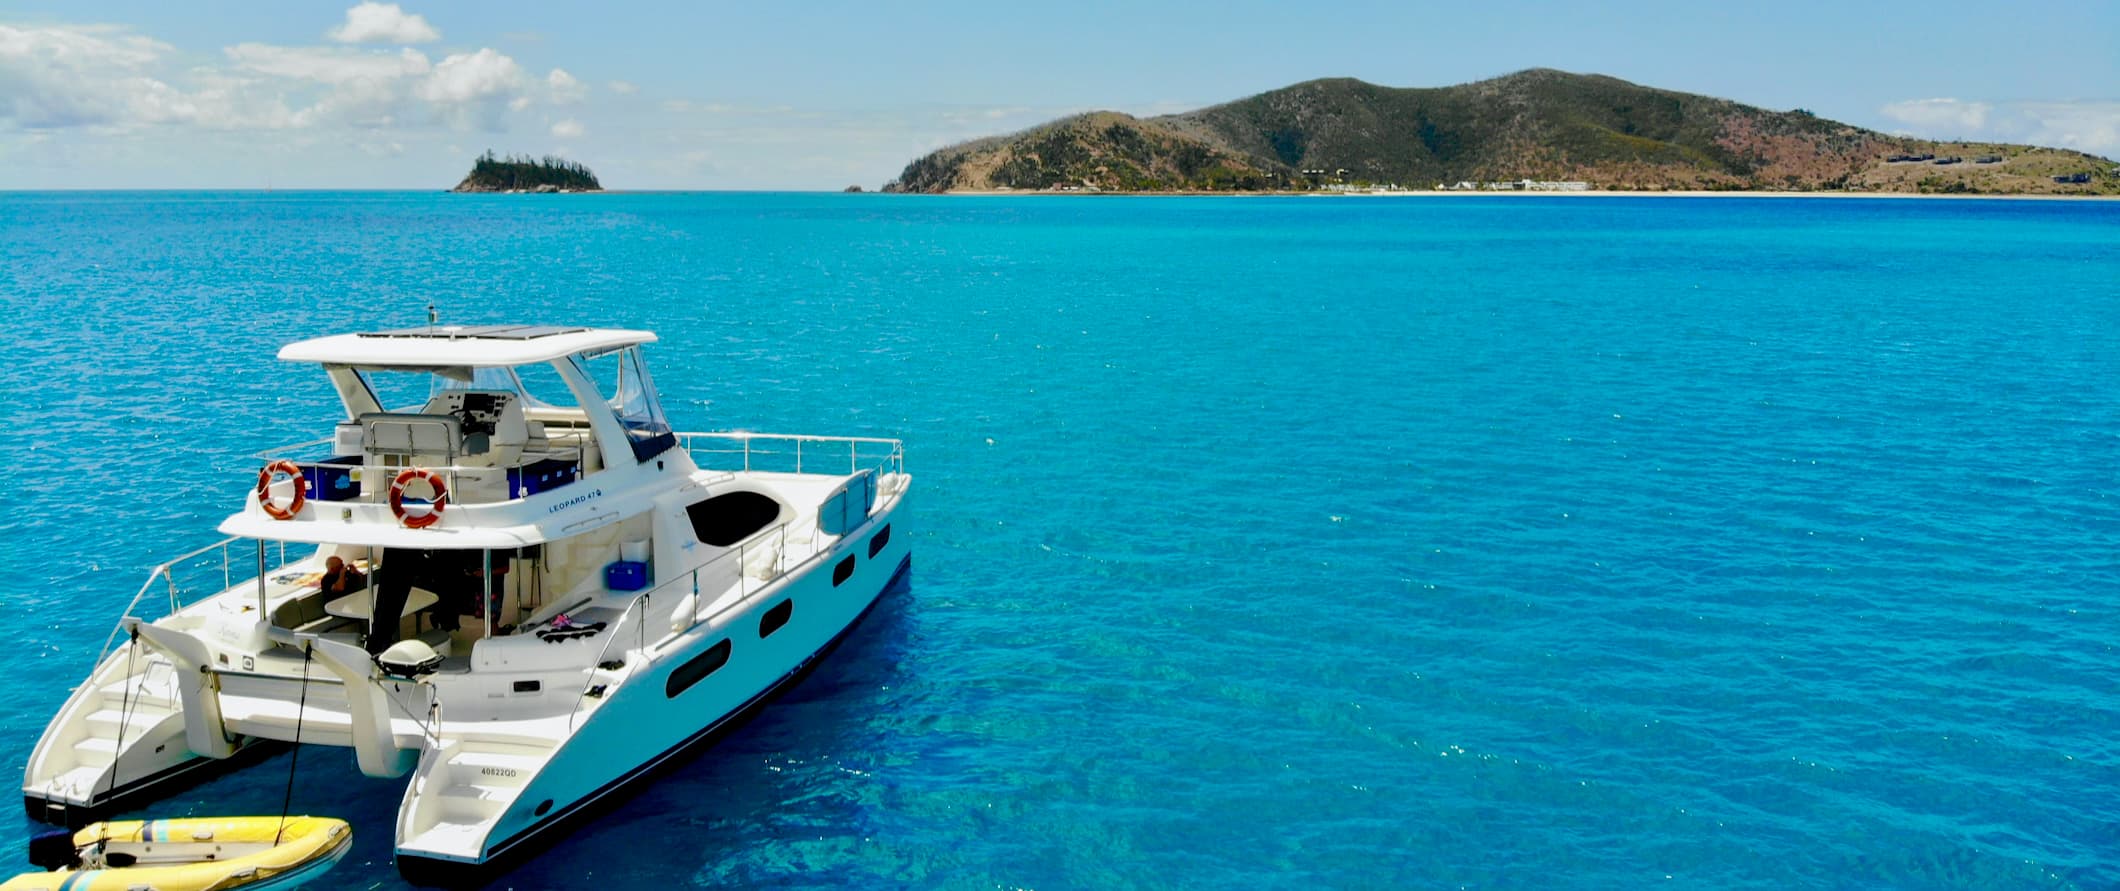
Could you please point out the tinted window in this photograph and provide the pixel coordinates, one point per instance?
(849, 506)
(724, 520)
(697, 669)
(775, 617)
(622, 378)
(882, 538)
(842, 572)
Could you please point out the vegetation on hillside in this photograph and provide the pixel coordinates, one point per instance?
(522, 173)
(1099, 150)
(1539, 124)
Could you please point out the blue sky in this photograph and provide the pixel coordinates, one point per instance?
(657, 95)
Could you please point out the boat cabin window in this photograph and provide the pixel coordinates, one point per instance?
(724, 520)
(842, 572)
(624, 382)
(398, 390)
(775, 618)
(696, 669)
(406, 389)
(541, 386)
(522, 418)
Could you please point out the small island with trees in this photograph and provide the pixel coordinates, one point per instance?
(522, 173)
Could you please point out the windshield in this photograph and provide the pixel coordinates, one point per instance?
(621, 378)
(407, 390)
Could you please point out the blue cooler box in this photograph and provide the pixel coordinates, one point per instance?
(625, 575)
(332, 480)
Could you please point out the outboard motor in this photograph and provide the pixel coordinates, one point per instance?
(54, 850)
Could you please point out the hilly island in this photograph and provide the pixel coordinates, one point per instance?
(1536, 125)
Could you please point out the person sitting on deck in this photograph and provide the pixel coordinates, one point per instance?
(340, 579)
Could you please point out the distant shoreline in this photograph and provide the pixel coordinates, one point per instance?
(241, 190)
(1482, 193)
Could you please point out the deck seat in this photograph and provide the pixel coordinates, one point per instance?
(299, 612)
(421, 439)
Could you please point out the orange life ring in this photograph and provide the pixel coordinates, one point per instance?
(397, 497)
(265, 490)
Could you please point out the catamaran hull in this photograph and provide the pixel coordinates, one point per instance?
(191, 771)
(536, 813)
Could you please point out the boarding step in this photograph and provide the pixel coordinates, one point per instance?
(138, 692)
(77, 784)
(96, 752)
(276, 718)
(474, 803)
(450, 835)
(135, 720)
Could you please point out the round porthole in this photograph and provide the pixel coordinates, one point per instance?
(544, 806)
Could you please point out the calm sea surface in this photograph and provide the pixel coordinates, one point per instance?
(1342, 543)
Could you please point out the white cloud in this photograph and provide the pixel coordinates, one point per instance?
(623, 88)
(470, 89)
(327, 64)
(2088, 126)
(114, 81)
(470, 77)
(372, 22)
(65, 76)
(566, 89)
(1939, 114)
(332, 85)
(568, 129)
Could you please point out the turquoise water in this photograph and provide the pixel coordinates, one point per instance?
(1359, 543)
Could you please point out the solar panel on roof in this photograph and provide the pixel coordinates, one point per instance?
(479, 332)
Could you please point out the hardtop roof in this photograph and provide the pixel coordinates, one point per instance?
(478, 346)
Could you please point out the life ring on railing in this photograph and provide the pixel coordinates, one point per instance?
(265, 490)
(434, 505)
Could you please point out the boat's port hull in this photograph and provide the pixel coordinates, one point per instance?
(511, 852)
(154, 787)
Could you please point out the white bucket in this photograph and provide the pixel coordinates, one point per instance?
(633, 551)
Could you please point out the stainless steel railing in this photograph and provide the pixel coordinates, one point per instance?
(789, 554)
(794, 453)
(736, 452)
(190, 563)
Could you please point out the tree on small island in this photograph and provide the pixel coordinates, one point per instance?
(522, 173)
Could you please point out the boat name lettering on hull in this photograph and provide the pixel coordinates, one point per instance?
(578, 499)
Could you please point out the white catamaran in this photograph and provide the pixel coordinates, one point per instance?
(525, 592)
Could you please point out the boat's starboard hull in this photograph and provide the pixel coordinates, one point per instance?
(509, 853)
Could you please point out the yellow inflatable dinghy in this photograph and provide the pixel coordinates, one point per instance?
(203, 854)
